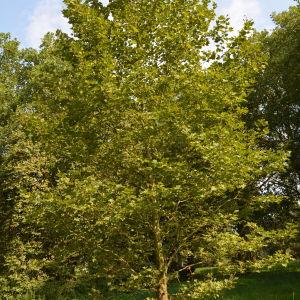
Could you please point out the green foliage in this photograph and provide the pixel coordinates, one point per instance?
(276, 99)
(208, 289)
(15, 268)
(130, 159)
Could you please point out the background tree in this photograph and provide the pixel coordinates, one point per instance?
(276, 99)
(14, 67)
(9, 62)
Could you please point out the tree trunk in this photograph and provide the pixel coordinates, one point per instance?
(162, 289)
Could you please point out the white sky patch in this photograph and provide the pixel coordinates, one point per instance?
(238, 10)
(46, 17)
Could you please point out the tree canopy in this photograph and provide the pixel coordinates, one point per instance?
(127, 162)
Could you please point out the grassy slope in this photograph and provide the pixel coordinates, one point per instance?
(267, 286)
(274, 285)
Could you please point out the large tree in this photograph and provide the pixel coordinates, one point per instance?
(137, 165)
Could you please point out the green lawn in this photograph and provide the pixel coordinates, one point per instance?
(281, 284)
(267, 286)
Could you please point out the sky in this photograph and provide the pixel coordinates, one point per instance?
(29, 20)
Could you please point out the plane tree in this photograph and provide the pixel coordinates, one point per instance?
(139, 165)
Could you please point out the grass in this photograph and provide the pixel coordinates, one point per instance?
(280, 284)
(267, 286)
